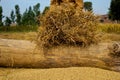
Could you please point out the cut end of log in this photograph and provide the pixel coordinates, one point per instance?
(114, 49)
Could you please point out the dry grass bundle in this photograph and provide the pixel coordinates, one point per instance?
(68, 26)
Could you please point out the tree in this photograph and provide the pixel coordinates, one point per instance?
(46, 9)
(28, 17)
(31, 15)
(12, 16)
(25, 18)
(36, 10)
(88, 6)
(7, 21)
(114, 10)
(1, 16)
(18, 15)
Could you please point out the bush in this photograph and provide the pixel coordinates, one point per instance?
(66, 25)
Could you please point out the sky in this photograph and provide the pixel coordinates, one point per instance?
(99, 6)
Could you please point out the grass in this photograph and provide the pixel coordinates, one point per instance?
(18, 35)
(18, 28)
(18, 32)
(109, 28)
(110, 31)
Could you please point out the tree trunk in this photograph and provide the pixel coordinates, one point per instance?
(22, 54)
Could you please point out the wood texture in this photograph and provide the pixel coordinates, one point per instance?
(20, 53)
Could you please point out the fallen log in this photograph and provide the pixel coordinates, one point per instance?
(22, 54)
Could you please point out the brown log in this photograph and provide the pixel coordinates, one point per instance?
(22, 54)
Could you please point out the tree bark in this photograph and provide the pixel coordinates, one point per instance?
(22, 54)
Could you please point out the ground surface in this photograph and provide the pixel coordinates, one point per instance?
(81, 73)
(18, 35)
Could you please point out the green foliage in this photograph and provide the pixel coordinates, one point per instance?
(7, 21)
(30, 16)
(36, 9)
(88, 6)
(109, 28)
(25, 18)
(1, 16)
(18, 28)
(27, 22)
(45, 10)
(18, 15)
(114, 11)
(12, 16)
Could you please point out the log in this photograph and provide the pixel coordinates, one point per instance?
(22, 54)
(18, 53)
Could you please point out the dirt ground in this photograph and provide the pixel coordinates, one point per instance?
(76, 73)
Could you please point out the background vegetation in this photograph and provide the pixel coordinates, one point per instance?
(28, 21)
(114, 10)
(88, 6)
(109, 28)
